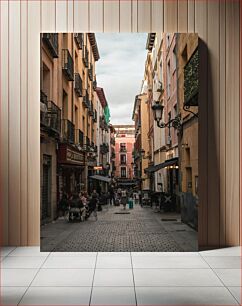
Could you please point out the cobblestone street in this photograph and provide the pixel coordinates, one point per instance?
(116, 230)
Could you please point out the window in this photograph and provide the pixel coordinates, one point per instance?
(123, 172)
(168, 79)
(123, 147)
(123, 159)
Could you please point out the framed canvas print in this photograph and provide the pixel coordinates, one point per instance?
(119, 141)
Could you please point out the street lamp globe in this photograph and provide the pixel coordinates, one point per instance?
(157, 111)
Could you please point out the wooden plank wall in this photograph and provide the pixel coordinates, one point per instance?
(217, 24)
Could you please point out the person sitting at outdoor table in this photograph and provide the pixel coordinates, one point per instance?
(77, 203)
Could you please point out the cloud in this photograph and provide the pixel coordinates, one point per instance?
(120, 71)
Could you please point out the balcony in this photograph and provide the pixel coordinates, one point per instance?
(78, 85)
(79, 40)
(68, 131)
(191, 80)
(43, 109)
(85, 57)
(113, 155)
(123, 162)
(51, 41)
(67, 65)
(94, 118)
(90, 72)
(86, 101)
(123, 149)
(104, 148)
(94, 84)
(112, 141)
(54, 117)
(79, 137)
(90, 110)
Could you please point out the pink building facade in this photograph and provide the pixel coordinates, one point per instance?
(124, 145)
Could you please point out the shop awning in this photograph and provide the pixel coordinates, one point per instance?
(101, 178)
(167, 163)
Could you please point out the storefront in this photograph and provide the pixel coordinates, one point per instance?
(71, 170)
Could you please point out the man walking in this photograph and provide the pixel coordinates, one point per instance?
(124, 198)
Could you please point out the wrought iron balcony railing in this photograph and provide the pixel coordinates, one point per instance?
(79, 137)
(54, 117)
(191, 80)
(79, 40)
(90, 72)
(43, 109)
(67, 65)
(90, 110)
(78, 85)
(85, 100)
(68, 131)
(94, 84)
(86, 57)
(104, 148)
(51, 40)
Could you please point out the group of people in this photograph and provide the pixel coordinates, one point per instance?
(89, 204)
(81, 202)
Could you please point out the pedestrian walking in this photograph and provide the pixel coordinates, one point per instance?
(111, 195)
(93, 204)
(124, 198)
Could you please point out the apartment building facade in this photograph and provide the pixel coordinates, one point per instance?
(124, 144)
(68, 116)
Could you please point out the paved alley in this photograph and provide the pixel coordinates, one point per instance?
(141, 229)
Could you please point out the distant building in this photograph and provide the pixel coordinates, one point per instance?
(124, 145)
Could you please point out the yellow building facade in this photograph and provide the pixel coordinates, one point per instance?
(68, 116)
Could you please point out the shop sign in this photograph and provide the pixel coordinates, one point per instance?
(98, 168)
(74, 156)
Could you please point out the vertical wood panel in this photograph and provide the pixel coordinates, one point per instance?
(170, 16)
(14, 122)
(134, 15)
(144, 16)
(213, 124)
(182, 16)
(232, 122)
(61, 16)
(191, 16)
(125, 16)
(23, 124)
(70, 16)
(48, 17)
(81, 16)
(201, 29)
(33, 212)
(96, 16)
(222, 89)
(111, 16)
(157, 21)
(4, 122)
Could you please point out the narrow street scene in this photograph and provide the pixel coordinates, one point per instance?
(119, 142)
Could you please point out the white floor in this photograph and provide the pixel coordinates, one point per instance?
(29, 277)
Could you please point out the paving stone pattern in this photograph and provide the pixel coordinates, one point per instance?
(140, 231)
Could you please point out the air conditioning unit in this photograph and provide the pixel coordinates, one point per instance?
(168, 140)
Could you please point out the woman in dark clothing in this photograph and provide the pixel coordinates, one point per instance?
(93, 204)
(63, 205)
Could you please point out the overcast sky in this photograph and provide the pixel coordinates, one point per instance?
(120, 71)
